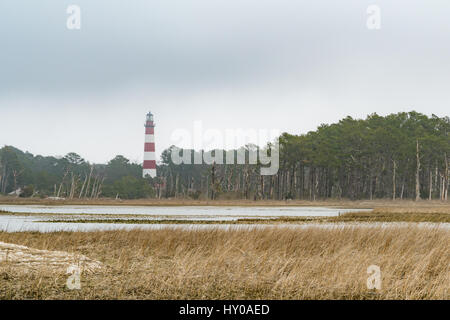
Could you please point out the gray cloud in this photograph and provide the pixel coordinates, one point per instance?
(250, 63)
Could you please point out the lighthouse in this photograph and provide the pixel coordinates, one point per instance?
(149, 148)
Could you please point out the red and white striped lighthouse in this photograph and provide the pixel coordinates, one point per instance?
(149, 148)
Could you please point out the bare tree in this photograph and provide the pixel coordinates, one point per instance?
(445, 179)
(82, 187)
(99, 188)
(394, 169)
(62, 182)
(89, 181)
(417, 171)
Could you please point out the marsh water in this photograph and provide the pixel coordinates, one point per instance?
(38, 217)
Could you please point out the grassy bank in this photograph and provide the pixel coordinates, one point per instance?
(362, 204)
(313, 263)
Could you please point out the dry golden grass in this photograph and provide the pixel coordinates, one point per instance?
(438, 214)
(264, 263)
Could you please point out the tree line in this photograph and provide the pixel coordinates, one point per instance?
(69, 177)
(398, 156)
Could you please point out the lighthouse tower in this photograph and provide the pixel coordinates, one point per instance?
(149, 148)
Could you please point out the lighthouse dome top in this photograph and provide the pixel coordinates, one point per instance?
(149, 116)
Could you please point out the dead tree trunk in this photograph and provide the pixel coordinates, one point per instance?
(262, 186)
(88, 182)
(417, 171)
(177, 187)
(94, 187)
(431, 185)
(82, 187)
(72, 186)
(445, 189)
(62, 181)
(393, 178)
(99, 189)
(16, 174)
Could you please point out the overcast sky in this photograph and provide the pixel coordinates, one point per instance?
(270, 64)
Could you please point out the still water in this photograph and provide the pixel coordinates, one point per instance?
(183, 211)
(34, 216)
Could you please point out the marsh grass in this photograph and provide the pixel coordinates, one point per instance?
(383, 214)
(250, 263)
(396, 215)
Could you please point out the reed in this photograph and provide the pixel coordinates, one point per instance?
(249, 263)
